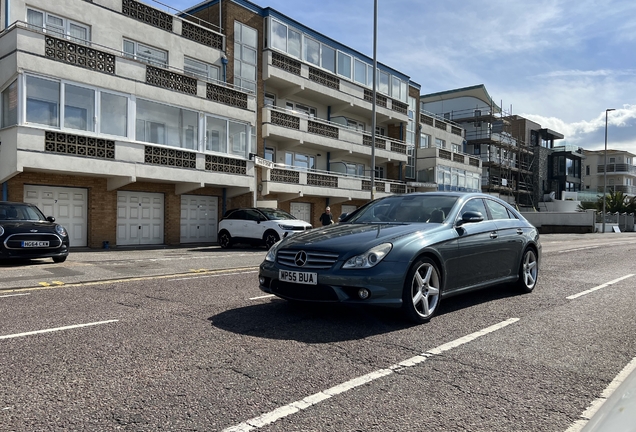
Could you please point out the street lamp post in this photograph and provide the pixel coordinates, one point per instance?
(605, 168)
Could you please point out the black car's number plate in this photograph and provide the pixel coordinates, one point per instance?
(35, 244)
(298, 277)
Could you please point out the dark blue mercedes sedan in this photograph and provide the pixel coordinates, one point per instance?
(407, 251)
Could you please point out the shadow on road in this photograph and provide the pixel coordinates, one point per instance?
(318, 323)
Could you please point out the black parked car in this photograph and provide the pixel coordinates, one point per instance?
(26, 233)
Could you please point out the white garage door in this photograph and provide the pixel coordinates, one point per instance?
(346, 208)
(69, 207)
(301, 211)
(139, 218)
(198, 218)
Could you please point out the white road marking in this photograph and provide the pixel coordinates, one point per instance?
(14, 295)
(294, 407)
(262, 297)
(582, 293)
(598, 402)
(213, 275)
(56, 329)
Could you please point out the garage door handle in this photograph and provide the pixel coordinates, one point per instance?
(493, 235)
(139, 226)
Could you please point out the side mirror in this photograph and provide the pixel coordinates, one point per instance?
(470, 217)
(343, 216)
(50, 218)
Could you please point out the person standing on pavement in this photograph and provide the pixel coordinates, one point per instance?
(326, 218)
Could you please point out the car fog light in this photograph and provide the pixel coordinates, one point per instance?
(363, 293)
(261, 280)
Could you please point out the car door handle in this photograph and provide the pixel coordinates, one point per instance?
(493, 235)
(519, 231)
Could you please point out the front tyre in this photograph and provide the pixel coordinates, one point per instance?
(422, 291)
(270, 238)
(225, 240)
(528, 271)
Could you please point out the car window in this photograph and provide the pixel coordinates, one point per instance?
(20, 212)
(238, 214)
(475, 205)
(252, 215)
(277, 214)
(497, 210)
(405, 209)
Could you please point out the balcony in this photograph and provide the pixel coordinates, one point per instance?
(437, 156)
(293, 182)
(28, 149)
(284, 126)
(615, 168)
(290, 76)
(626, 189)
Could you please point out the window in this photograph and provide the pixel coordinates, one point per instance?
(396, 88)
(164, 124)
(309, 111)
(383, 83)
(145, 53)
(498, 211)
(347, 168)
(475, 205)
(270, 99)
(10, 105)
(245, 43)
(360, 72)
(43, 101)
(312, 51)
(79, 108)
(457, 148)
(199, 69)
(328, 58)
(238, 140)
(440, 143)
(299, 160)
(344, 64)
(286, 39)
(216, 134)
(425, 140)
(270, 154)
(58, 26)
(114, 114)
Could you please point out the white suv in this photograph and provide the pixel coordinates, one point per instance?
(257, 226)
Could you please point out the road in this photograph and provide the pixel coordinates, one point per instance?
(183, 339)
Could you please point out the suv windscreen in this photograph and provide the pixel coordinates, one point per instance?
(275, 214)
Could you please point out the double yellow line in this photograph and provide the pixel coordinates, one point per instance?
(59, 284)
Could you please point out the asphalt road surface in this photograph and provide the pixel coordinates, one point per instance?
(183, 339)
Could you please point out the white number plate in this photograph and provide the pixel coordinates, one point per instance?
(35, 244)
(298, 277)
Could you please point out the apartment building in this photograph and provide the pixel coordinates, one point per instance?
(117, 121)
(315, 113)
(441, 159)
(514, 166)
(619, 174)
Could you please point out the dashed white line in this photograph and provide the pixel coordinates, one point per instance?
(262, 297)
(56, 329)
(596, 288)
(294, 407)
(14, 295)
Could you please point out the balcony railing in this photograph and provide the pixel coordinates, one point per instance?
(313, 177)
(292, 120)
(621, 168)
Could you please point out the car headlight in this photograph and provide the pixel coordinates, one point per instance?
(370, 258)
(271, 253)
(1, 230)
(286, 227)
(60, 230)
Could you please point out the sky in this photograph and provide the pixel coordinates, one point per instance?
(560, 63)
